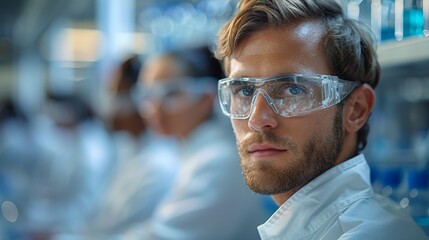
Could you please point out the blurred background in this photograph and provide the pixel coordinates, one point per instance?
(57, 58)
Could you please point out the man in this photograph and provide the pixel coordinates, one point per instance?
(299, 93)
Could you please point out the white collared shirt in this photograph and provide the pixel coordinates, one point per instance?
(340, 204)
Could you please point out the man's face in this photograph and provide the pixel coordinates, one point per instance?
(281, 154)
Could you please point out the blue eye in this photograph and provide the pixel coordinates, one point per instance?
(246, 91)
(295, 90)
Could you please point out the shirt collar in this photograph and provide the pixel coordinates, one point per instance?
(311, 206)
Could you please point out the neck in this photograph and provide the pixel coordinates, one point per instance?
(349, 148)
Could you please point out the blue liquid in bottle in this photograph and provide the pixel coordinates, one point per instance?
(413, 19)
(387, 20)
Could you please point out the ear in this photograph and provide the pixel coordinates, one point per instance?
(358, 107)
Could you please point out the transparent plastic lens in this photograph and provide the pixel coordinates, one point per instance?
(172, 93)
(288, 95)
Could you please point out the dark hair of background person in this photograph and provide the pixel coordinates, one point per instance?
(68, 110)
(198, 62)
(122, 85)
(9, 110)
(349, 45)
(127, 76)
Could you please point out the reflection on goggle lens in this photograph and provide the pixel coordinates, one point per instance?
(288, 95)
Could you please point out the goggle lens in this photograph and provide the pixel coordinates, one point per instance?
(288, 95)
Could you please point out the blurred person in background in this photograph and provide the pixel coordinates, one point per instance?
(142, 174)
(17, 159)
(76, 161)
(54, 166)
(209, 199)
(118, 110)
(136, 179)
(124, 115)
(299, 92)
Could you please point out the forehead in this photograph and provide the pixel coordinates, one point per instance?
(294, 48)
(159, 70)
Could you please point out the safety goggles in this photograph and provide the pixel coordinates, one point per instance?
(171, 94)
(288, 95)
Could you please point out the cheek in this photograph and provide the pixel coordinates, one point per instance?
(302, 129)
(240, 128)
(180, 117)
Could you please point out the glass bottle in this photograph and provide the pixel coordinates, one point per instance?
(413, 18)
(387, 19)
(426, 17)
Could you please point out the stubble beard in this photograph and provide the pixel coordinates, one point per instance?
(317, 156)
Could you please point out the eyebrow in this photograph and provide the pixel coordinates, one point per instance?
(274, 75)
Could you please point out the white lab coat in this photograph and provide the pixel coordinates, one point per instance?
(209, 199)
(137, 186)
(340, 204)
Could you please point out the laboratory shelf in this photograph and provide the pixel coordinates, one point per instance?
(405, 52)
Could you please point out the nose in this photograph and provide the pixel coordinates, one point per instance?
(149, 108)
(262, 116)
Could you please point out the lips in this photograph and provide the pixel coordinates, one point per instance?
(264, 147)
(264, 150)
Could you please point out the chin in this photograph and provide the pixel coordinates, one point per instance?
(158, 129)
(262, 186)
(260, 180)
(270, 179)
